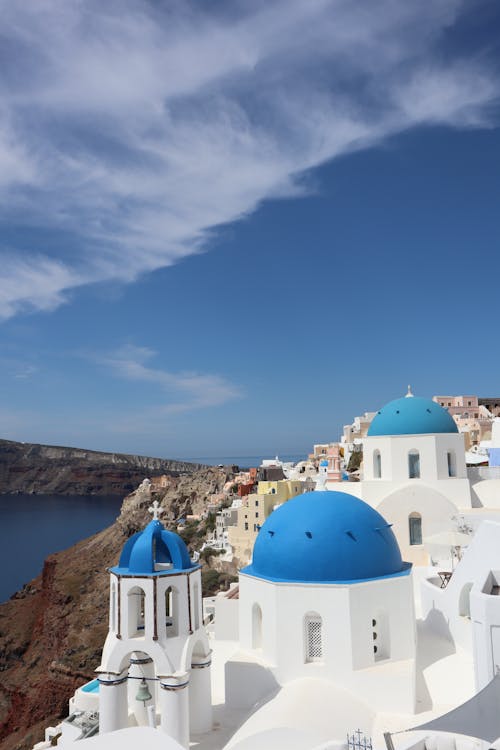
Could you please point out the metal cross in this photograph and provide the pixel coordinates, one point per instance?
(155, 509)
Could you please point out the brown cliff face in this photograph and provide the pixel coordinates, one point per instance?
(50, 469)
(52, 632)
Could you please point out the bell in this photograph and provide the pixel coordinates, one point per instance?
(143, 693)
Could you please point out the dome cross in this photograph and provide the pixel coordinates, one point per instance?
(156, 510)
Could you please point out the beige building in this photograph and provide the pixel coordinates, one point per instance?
(472, 417)
(320, 450)
(254, 511)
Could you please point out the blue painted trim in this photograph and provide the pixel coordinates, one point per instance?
(248, 571)
(172, 572)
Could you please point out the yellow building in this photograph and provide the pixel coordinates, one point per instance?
(254, 511)
(282, 489)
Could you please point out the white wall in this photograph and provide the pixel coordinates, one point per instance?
(226, 618)
(474, 626)
(432, 449)
(435, 509)
(486, 493)
(348, 658)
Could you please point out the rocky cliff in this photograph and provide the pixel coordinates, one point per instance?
(50, 469)
(52, 632)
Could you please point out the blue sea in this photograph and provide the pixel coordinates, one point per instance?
(34, 526)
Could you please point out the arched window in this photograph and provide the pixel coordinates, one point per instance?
(414, 465)
(377, 464)
(196, 602)
(452, 464)
(171, 612)
(464, 601)
(313, 633)
(415, 528)
(256, 626)
(136, 611)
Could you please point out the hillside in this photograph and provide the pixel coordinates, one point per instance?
(52, 632)
(49, 469)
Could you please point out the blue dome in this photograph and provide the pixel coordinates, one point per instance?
(154, 551)
(324, 462)
(411, 416)
(326, 537)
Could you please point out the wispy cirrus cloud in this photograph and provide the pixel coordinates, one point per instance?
(184, 391)
(136, 128)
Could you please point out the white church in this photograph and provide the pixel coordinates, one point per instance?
(414, 474)
(334, 637)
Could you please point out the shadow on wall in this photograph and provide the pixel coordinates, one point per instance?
(430, 648)
(486, 494)
(248, 683)
(435, 623)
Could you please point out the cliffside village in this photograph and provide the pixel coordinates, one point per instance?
(248, 500)
(370, 607)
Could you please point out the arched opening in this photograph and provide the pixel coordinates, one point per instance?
(256, 626)
(414, 464)
(112, 608)
(415, 528)
(377, 464)
(452, 464)
(464, 601)
(171, 612)
(380, 635)
(196, 603)
(141, 682)
(136, 611)
(313, 634)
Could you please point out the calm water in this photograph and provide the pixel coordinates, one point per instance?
(34, 526)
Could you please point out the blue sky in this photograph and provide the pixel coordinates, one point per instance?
(227, 228)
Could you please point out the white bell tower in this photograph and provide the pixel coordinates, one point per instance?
(156, 659)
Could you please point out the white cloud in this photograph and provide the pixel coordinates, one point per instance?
(36, 282)
(137, 128)
(185, 391)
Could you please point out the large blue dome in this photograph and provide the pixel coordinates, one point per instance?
(411, 416)
(325, 537)
(154, 551)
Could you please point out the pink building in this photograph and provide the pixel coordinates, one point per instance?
(334, 473)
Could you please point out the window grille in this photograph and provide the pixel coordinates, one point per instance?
(314, 639)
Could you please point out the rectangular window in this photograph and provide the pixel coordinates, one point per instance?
(414, 465)
(256, 503)
(451, 464)
(314, 646)
(257, 514)
(246, 526)
(415, 530)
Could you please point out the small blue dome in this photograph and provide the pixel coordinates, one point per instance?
(326, 537)
(411, 416)
(154, 551)
(324, 462)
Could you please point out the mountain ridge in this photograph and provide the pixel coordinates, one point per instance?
(35, 468)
